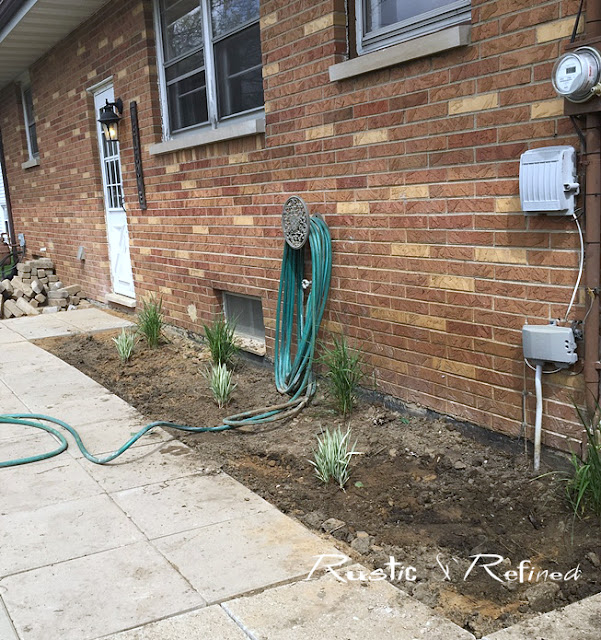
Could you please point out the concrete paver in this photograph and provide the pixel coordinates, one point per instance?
(154, 463)
(58, 532)
(8, 336)
(7, 631)
(211, 558)
(96, 595)
(578, 621)
(188, 503)
(30, 487)
(93, 320)
(42, 326)
(326, 608)
(211, 622)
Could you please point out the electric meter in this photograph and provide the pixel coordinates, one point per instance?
(576, 75)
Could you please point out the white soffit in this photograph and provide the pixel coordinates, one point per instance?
(37, 26)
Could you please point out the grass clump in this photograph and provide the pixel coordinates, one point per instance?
(150, 321)
(220, 383)
(584, 486)
(333, 456)
(125, 343)
(344, 372)
(220, 338)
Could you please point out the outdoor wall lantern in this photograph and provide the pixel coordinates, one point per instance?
(110, 115)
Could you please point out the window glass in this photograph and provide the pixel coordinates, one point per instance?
(383, 13)
(32, 138)
(228, 15)
(182, 27)
(210, 70)
(239, 78)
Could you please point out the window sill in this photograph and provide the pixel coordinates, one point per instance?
(431, 44)
(32, 162)
(208, 136)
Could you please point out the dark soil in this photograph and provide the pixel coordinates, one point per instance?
(423, 490)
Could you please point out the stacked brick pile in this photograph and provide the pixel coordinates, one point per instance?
(36, 289)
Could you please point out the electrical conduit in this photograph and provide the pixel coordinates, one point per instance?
(293, 376)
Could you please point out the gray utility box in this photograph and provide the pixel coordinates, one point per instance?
(548, 182)
(549, 344)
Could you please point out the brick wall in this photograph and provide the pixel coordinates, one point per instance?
(414, 167)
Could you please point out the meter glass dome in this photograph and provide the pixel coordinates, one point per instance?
(567, 77)
(576, 74)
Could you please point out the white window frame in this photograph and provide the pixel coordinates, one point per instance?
(454, 13)
(26, 85)
(214, 122)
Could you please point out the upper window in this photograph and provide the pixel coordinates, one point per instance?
(30, 131)
(381, 23)
(210, 53)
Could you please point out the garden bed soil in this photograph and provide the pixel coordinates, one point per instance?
(423, 491)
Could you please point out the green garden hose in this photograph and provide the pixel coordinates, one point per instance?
(295, 317)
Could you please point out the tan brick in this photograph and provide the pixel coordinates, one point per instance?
(547, 109)
(452, 366)
(238, 158)
(370, 137)
(184, 255)
(556, 30)
(454, 283)
(271, 69)
(200, 230)
(103, 43)
(410, 250)
(503, 256)
(410, 192)
(145, 251)
(508, 205)
(324, 22)
(269, 19)
(352, 207)
(172, 168)
(403, 317)
(247, 221)
(325, 131)
(473, 103)
(117, 42)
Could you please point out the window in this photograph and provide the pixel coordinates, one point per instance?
(210, 55)
(246, 313)
(381, 23)
(32, 139)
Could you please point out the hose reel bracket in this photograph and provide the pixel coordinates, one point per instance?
(296, 222)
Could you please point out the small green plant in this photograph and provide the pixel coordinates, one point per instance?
(344, 372)
(125, 343)
(220, 337)
(333, 456)
(220, 383)
(150, 321)
(584, 486)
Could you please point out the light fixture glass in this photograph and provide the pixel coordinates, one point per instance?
(110, 115)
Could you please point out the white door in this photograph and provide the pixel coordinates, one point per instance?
(116, 218)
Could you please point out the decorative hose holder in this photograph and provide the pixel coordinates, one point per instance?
(296, 222)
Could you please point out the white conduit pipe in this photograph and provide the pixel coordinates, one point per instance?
(538, 422)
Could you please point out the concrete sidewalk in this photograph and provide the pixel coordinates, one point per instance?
(157, 547)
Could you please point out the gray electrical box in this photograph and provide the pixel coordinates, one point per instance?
(548, 182)
(549, 344)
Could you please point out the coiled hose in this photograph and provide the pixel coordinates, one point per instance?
(295, 318)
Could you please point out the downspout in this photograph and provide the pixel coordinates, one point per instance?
(593, 228)
(11, 224)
